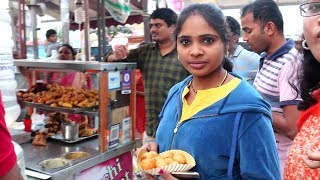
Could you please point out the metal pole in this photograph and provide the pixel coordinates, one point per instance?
(21, 44)
(146, 22)
(33, 13)
(101, 29)
(86, 30)
(65, 20)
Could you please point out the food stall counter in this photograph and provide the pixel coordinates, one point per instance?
(55, 149)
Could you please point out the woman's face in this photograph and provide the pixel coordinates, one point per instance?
(200, 48)
(311, 31)
(65, 53)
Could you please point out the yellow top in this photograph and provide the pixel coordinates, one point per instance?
(205, 98)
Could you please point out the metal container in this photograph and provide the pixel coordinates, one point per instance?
(70, 131)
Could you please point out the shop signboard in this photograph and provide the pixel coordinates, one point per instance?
(119, 168)
(126, 82)
(113, 80)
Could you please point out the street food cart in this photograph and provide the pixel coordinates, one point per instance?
(108, 155)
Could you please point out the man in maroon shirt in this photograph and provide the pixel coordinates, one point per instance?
(9, 170)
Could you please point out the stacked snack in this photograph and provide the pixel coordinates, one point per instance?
(171, 161)
(54, 123)
(85, 131)
(55, 95)
(56, 119)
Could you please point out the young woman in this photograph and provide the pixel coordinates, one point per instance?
(215, 115)
(306, 143)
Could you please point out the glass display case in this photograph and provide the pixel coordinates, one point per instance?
(114, 115)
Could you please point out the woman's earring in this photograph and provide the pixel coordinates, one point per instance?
(178, 58)
(305, 45)
(227, 54)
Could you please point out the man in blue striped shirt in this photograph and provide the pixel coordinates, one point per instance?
(262, 24)
(245, 63)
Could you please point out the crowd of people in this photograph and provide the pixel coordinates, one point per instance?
(263, 30)
(241, 114)
(158, 63)
(202, 116)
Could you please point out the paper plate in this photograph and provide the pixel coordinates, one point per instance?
(190, 163)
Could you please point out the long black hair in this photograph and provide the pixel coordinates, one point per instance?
(309, 80)
(214, 17)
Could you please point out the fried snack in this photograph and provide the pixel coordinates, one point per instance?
(160, 162)
(54, 105)
(76, 155)
(150, 155)
(179, 158)
(53, 125)
(148, 164)
(55, 95)
(168, 155)
(68, 105)
(20, 94)
(170, 161)
(86, 132)
(39, 140)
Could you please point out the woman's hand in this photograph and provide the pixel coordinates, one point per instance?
(166, 175)
(313, 160)
(163, 174)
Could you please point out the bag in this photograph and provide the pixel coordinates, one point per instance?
(119, 9)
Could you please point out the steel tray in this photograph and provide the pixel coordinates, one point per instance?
(61, 109)
(59, 137)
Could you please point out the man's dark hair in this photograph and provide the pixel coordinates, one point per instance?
(263, 12)
(233, 25)
(166, 14)
(50, 32)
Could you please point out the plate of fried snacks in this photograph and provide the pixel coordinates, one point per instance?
(171, 161)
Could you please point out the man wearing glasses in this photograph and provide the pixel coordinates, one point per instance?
(262, 24)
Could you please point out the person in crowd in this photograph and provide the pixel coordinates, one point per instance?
(245, 63)
(262, 24)
(140, 105)
(213, 114)
(77, 80)
(8, 160)
(306, 144)
(51, 43)
(158, 63)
